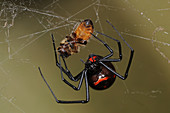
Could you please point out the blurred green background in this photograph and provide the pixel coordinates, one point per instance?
(25, 44)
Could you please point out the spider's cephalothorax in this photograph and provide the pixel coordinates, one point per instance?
(99, 77)
(79, 37)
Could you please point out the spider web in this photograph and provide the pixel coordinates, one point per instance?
(25, 28)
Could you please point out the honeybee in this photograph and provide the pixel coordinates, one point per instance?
(80, 35)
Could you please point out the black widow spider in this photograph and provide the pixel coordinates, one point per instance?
(99, 73)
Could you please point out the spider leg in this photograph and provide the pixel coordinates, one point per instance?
(130, 59)
(58, 64)
(64, 64)
(119, 46)
(120, 35)
(77, 77)
(131, 49)
(106, 45)
(68, 83)
(67, 102)
(114, 72)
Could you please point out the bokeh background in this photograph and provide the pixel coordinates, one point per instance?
(25, 44)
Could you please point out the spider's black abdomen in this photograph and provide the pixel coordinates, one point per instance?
(99, 77)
